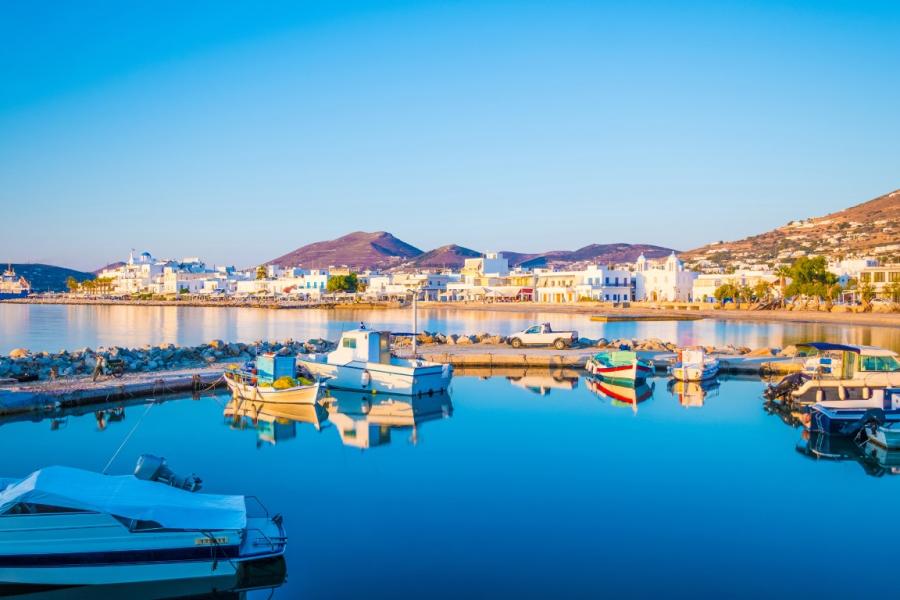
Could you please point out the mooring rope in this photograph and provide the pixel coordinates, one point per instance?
(128, 437)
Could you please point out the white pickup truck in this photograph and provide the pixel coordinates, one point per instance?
(543, 335)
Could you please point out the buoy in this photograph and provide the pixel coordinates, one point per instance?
(365, 378)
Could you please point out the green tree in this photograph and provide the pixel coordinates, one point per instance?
(72, 284)
(726, 291)
(893, 291)
(866, 292)
(762, 290)
(810, 277)
(342, 283)
(262, 272)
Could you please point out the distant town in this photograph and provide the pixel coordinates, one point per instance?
(490, 278)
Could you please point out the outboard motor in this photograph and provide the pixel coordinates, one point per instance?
(154, 468)
(783, 388)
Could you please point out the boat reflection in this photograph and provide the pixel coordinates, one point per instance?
(273, 422)
(58, 417)
(692, 394)
(874, 460)
(626, 396)
(542, 383)
(364, 420)
(265, 575)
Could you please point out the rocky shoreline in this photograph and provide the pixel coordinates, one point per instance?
(22, 365)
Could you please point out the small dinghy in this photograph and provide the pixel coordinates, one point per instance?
(622, 366)
(694, 365)
(272, 379)
(61, 526)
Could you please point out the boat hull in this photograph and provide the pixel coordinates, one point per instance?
(628, 374)
(695, 372)
(832, 422)
(307, 394)
(380, 378)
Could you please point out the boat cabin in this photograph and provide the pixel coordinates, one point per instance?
(843, 361)
(362, 345)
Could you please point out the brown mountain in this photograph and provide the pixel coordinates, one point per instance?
(871, 228)
(446, 257)
(359, 249)
(594, 253)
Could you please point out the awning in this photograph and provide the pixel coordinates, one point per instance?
(128, 497)
(827, 346)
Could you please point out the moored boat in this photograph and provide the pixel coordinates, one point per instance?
(886, 435)
(852, 373)
(694, 365)
(847, 417)
(272, 379)
(619, 365)
(13, 286)
(363, 362)
(67, 526)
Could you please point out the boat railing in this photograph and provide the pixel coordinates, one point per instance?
(262, 539)
(259, 504)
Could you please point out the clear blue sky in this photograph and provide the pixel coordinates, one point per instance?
(240, 130)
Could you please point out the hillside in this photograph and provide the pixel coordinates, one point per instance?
(360, 250)
(44, 278)
(445, 257)
(868, 229)
(594, 253)
(382, 250)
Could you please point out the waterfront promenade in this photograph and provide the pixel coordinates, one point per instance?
(879, 317)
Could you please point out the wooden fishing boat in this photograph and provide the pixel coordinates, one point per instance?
(621, 366)
(272, 379)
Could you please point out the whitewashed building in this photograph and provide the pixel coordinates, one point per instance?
(668, 281)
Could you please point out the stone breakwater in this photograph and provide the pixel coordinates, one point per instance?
(650, 344)
(23, 365)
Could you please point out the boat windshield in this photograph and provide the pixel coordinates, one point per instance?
(879, 363)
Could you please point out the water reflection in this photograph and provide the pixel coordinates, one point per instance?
(624, 396)
(362, 420)
(366, 420)
(542, 382)
(874, 460)
(273, 422)
(693, 394)
(52, 327)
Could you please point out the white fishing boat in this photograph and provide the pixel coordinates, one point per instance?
(66, 526)
(854, 373)
(363, 362)
(272, 379)
(694, 365)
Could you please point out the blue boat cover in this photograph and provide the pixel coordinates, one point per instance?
(128, 497)
(827, 346)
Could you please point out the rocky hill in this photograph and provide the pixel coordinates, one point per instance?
(359, 250)
(601, 254)
(450, 256)
(868, 229)
(47, 278)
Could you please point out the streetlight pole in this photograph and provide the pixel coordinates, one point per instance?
(415, 304)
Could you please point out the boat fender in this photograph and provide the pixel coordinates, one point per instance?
(366, 378)
(445, 371)
(820, 395)
(842, 392)
(866, 392)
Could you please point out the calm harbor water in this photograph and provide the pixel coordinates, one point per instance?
(56, 327)
(528, 486)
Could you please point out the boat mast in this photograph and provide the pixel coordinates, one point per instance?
(415, 304)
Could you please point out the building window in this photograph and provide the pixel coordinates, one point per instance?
(865, 277)
(878, 277)
(895, 276)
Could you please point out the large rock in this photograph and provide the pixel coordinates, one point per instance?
(18, 353)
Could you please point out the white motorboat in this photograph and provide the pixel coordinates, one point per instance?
(363, 362)
(694, 365)
(67, 526)
(272, 379)
(853, 373)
